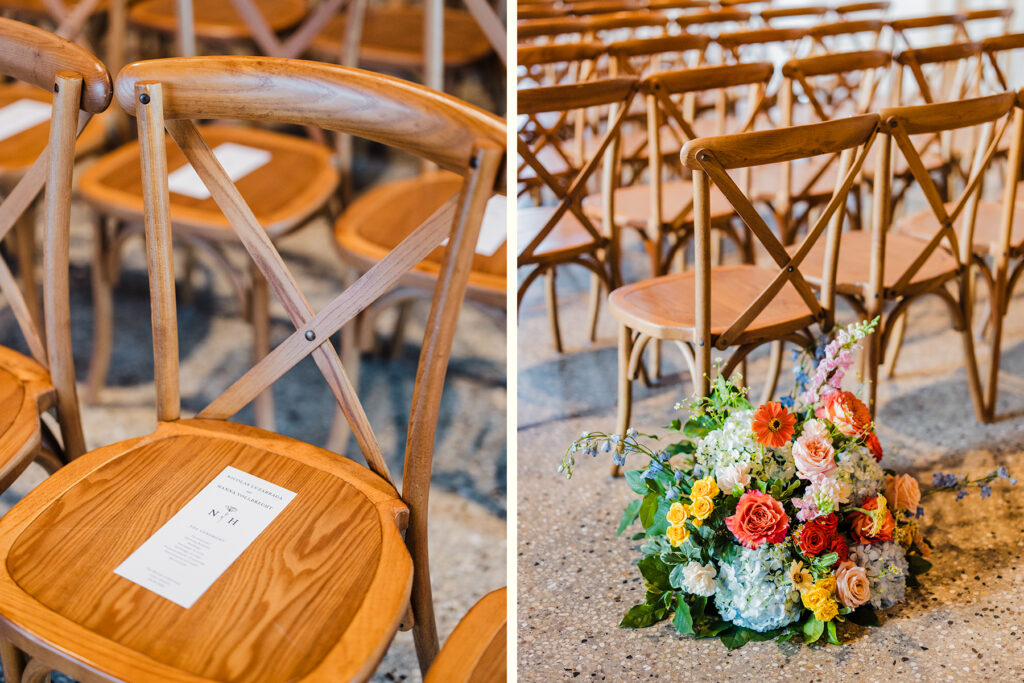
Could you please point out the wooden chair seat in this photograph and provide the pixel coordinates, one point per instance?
(303, 580)
(923, 225)
(765, 181)
(633, 204)
(283, 193)
(25, 393)
(379, 219)
(392, 37)
(476, 650)
(216, 20)
(568, 238)
(19, 151)
(663, 307)
(853, 272)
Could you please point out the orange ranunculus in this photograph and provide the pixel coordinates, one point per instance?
(862, 525)
(773, 425)
(847, 412)
(759, 518)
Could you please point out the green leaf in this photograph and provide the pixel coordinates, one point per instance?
(675, 425)
(638, 536)
(761, 486)
(681, 447)
(712, 629)
(696, 428)
(734, 637)
(697, 608)
(648, 509)
(813, 629)
(655, 572)
(683, 621)
(629, 516)
(918, 565)
(636, 481)
(827, 560)
(832, 637)
(675, 577)
(641, 616)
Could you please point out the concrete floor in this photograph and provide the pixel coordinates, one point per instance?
(468, 501)
(576, 579)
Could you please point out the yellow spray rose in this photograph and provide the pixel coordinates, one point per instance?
(704, 488)
(828, 584)
(814, 598)
(702, 507)
(677, 534)
(826, 611)
(676, 514)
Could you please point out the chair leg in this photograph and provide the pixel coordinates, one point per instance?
(11, 661)
(259, 317)
(625, 403)
(774, 370)
(103, 311)
(873, 353)
(36, 672)
(895, 345)
(556, 333)
(596, 288)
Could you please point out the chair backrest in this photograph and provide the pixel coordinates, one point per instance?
(982, 23)
(585, 7)
(990, 113)
(933, 29)
(711, 159)
(171, 93)
(613, 96)
(787, 16)
(762, 44)
(940, 74)
(875, 8)
(557, 63)
(79, 83)
(642, 56)
(849, 35)
(711, 21)
(999, 61)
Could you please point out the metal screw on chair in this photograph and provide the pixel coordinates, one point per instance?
(144, 98)
(310, 335)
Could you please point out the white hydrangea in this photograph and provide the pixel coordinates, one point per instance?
(886, 567)
(859, 469)
(754, 590)
(735, 443)
(699, 579)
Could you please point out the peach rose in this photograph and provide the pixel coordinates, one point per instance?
(846, 412)
(759, 518)
(861, 525)
(814, 457)
(852, 585)
(902, 492)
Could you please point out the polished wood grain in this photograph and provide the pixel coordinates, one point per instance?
(216, 20)
(283, 193)
(476, 650)
(392, 37)
(26, 391)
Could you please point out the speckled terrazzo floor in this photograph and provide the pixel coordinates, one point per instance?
(576, 579)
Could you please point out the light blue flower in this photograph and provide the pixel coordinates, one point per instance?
(886, 567)
(754, 590)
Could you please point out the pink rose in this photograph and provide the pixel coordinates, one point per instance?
(814, 456)
(852, 585)
(902, 492)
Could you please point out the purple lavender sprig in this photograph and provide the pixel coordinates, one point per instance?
(961, 484)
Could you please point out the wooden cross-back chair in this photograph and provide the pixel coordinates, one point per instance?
(585, 7)
(783, 16)
(541, 11)
(845, 10)
(758, 44)
(677, 6)
(941, 29)
(746, 305)
(31, 385)
(557, 63)
(561, 234)
(999, 73)
(922, 253)
(846, 36)
(322, 590)
(297, 183)
(986, 23)
(476, 650)
(714, 21)
(589, 27)
(823, 88)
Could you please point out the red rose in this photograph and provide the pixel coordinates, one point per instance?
(828, 522)
(875, 446)
(840, 548)
(813, 539)
(861, 524)
(758, 518)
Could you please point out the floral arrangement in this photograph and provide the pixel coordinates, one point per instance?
(776, 521)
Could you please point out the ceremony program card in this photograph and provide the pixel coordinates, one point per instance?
(188, 553)
(238, 160)
(21, 115)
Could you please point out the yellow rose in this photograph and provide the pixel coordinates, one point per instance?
(704, 488)
(701, 508)
(828, 584)
(676, 514)
(677, 534)
(813, 598)
(826, 611)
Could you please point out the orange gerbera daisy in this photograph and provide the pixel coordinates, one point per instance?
(773, 425)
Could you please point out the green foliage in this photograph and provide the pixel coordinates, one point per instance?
(629, 516)
(813, 629)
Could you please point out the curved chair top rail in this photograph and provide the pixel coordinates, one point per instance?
(733, 3)
(678, 4)
(710, 77)
(535, 28)
(604, 6)
(712, 16)
(540, 11)
(852, 7)
(779, 145)
(575, 95)
(616, 20)
(837, 63)
(652, 46)
(990, 13)
(938, 53)
(932, 118)
(1009, 41)
(783, 12)
(405, 115)
(760, 35)
(847, 27)
(553, 53)
(929, 21)
(35, 56)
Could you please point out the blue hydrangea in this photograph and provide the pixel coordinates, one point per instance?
(753, 590)
(886, 567)
(859, 469)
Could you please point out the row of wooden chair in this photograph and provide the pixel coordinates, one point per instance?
(323, 590)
